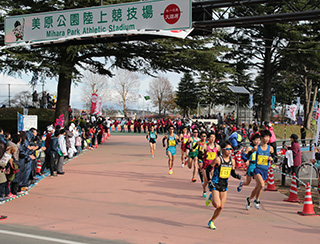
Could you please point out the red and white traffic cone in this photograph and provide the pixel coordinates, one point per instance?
(270, 181)
(293, 195)
(308, 205)
(38, 170)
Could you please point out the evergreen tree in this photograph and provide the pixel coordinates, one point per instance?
(187, 94)
(68, 62)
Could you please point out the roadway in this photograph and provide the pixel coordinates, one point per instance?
(118, 194)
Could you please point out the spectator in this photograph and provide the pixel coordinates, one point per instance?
(295, 148)
(2, 137)
(62, 151)
(233, 138)
(303, 133)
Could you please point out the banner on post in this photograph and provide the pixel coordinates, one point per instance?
(250, 101)
(20, 122)
(96, 104)
(291, 112)
(59, 121)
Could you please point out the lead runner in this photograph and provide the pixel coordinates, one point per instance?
(223, 166)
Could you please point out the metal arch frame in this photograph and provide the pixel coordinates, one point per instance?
(209, 9)
(203, 20)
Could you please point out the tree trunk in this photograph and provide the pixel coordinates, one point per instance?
(308, 105)
(63, 97)
(267, 83)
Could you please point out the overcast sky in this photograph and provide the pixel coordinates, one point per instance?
(18, 84)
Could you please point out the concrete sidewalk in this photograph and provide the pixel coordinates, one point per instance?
(118, 192)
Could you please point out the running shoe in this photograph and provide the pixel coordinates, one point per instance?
(239, 188)
(152, 156)
(182, 165)
(211, 225)
(193, 179)
(256, 204)
(248, 203)
(170, 172)
(208, 201)
(204, 194)
(186, 161)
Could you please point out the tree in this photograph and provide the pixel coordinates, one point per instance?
(126, 85)
(160, 91)
(22, 99)
(94, 83)
(301, 65)
(187, 94)
(66, 63)
(257, 47)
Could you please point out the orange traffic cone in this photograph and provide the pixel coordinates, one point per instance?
(308, 205)
(38, 170)
(293, 195)
(270, 181)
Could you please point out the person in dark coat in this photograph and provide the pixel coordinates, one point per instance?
(296, 151)
(303, 133)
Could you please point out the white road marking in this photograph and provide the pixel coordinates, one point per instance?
(56, 240)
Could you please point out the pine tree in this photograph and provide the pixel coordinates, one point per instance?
(187, 94)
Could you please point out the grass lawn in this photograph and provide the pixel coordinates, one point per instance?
(285, 131)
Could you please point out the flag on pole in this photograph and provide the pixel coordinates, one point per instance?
(250, 101)
(20, 122)
(291, 112)
(147, 98)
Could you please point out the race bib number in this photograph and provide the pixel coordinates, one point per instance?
(172, 143)
(263, 160)
(253, 157)
(194, 148)
(185, 140)
(211, 155)
(225, 172)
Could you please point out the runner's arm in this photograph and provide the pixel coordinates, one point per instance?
(163, 140)
(233, 171)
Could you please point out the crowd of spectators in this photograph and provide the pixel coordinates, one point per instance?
(20, 154)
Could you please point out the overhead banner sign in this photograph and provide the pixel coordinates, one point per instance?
(126, 18)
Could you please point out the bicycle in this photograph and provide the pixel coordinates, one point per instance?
(307, 171)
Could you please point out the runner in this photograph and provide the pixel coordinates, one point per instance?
(184, 136)
(202, 147)
(252, 161)
(223, 166)
(172, 140)
(210, 153)
(152, 137)
(262, 165)
(193, 154)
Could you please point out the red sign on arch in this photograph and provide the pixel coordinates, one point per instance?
(172, 14)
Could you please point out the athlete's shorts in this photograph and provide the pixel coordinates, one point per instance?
(172, 150)
(262, 172)
(152, 140)
(206, 164)
(193, 155)
(221, 186)
(183, 147)
(250, 169)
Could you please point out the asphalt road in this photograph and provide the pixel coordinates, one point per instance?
(118, 194)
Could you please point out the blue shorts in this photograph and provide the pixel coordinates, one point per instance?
(262, 172)
(172, 150)
(250, 169)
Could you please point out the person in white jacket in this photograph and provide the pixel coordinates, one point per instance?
(61, 152)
